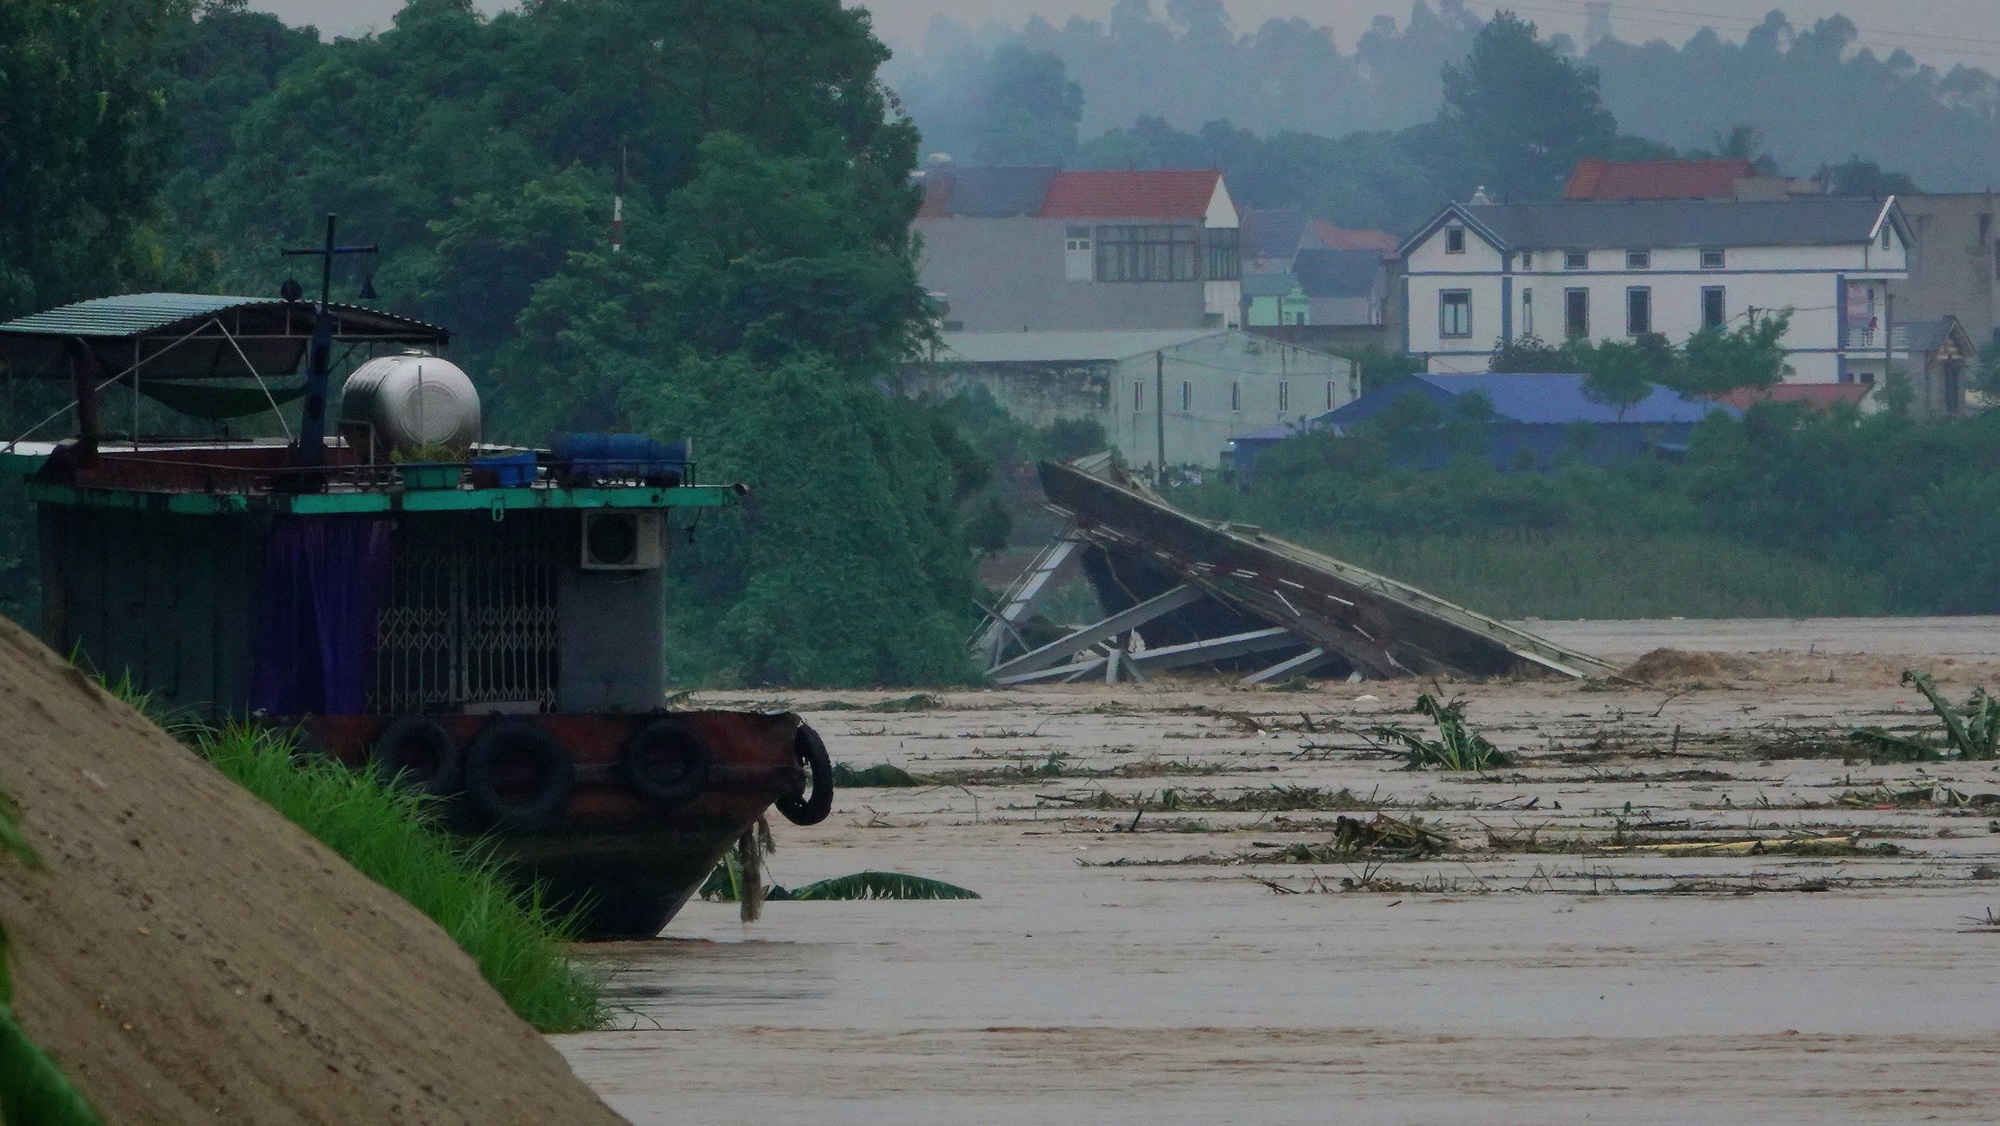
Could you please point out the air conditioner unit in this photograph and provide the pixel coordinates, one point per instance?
(623, 541)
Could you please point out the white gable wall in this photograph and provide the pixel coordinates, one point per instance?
(1531, 298)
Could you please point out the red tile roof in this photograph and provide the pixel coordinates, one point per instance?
(1819, 396)
(1656, 179)
(1130, 195)
(1348, 238)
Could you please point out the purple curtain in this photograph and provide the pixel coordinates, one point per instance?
(324, 577)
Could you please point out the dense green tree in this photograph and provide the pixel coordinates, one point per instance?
(1521, 114)
(83, 145)
(1855, 176)
(1030, 110)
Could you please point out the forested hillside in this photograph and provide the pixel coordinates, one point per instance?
(1179, 82)
(765, 285)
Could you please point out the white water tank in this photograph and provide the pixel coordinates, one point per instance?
(397, 404)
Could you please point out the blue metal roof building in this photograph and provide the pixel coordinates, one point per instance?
(1536, 421)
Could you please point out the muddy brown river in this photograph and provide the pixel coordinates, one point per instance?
(1689, 901)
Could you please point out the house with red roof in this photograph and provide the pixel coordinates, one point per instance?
(1730, 178)
(1037, 249)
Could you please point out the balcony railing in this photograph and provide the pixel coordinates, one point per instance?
(1871, 339)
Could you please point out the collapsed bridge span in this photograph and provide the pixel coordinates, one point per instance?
(1220, 594)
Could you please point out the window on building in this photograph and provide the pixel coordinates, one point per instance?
(1077, 260)
(1576, 259)
(1576, 313)
(1638, 311)
(1711, 258)
(1638, 259)
(1284, 396)
(1329, 394)
(1885, 236)
(1138, 395)
(1714, 308)
(1527, 260)
(1147, 254)
(1235, 395)
(1221, 260)
(1454, 240)
(1187, 395)
(1455, 312)
(1527, 312)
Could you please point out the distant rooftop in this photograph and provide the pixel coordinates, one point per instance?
(1049, 193)
(1586, 224)
(1657, 179)
(1338, 273)
(1329, 237)
(1527, 397)
(1075, 347)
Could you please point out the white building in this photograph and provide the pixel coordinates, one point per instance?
(1481, 274)
(1216, 384)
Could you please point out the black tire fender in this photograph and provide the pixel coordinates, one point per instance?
(419, 754)
(666, 763)
(519, 776)
(812, 805)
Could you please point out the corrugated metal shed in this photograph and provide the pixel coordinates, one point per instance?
(1063, 347)
(1531, 398)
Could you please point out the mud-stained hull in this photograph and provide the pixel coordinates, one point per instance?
(625, 857)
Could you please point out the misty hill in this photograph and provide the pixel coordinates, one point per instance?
(995, 94)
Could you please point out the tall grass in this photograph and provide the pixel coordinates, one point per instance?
(389, 834)
(1582, 574)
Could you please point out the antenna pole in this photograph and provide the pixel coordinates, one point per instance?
(312, 419)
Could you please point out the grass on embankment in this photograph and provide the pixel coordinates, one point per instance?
(1577, 574)
(389, 835)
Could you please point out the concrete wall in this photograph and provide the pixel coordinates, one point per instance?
(1233, 383)
(1008, 275)
(1527, 300)
(1955, 262)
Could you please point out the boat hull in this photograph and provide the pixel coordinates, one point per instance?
(624, 858)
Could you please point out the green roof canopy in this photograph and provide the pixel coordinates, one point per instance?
(194, 336)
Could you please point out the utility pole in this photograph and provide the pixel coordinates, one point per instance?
(1160, 411)
(312, 420)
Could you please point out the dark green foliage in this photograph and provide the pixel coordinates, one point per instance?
(881, 775)
(1521, 114)
(1029, 112)
(1855, 176)
(388, 834)
(845, 565)
(723, 888)
(1712, 361)
(1971, 733)
(83, 129)
(1780, 512)
(1457, 746)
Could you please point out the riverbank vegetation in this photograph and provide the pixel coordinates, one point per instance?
(1780, 513)
(388, 833)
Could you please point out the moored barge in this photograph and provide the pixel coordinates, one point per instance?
(485, 622)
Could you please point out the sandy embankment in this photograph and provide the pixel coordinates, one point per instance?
(191, 956)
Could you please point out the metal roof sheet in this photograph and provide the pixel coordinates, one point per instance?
(1155, 194)
(1530, 397)
(135, 314)
(1803, 221)
(1065, 347)
(985, 193)
(1338, 273)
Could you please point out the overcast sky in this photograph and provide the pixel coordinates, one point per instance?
(1940, 32)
